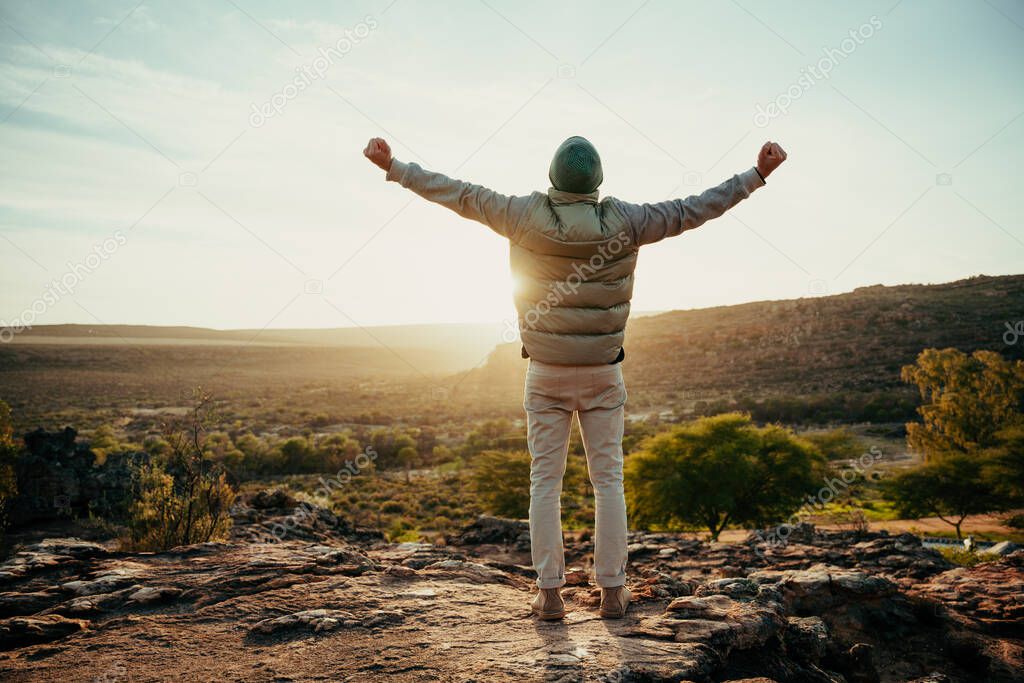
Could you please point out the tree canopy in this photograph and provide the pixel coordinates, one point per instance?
(951, 487)
(966, 400)
(971, 436)
(1004, 466)
(502, 480)
(721, 470)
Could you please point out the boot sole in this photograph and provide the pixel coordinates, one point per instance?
(609, 614)
(550, 616)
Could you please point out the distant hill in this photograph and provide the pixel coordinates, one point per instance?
(854, 342)
(824, 359)
(451, 347)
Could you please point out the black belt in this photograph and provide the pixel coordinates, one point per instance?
(618, 359)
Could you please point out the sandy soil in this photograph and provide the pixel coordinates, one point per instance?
(928, 526)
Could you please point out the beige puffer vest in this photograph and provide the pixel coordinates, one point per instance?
(573, 276)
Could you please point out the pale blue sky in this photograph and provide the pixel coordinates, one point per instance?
(111, 110)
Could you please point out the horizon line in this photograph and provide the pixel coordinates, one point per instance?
(499, 321)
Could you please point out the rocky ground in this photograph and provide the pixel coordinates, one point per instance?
(298, 594)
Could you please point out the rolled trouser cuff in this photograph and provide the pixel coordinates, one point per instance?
(551, 583)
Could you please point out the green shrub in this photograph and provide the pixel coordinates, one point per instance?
(186, 501)
(103, 441)
(402, 531)
(1016, 521)
(170, 513)
(967, 558)
(503, 482)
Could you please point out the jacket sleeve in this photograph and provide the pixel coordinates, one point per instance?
(500, 213)
(651, 223)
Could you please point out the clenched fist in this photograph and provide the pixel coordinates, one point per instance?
(769, 158)
(378, 152)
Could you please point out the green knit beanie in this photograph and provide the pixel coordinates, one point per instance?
(576, 167)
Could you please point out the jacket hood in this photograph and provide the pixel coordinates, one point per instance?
(558, 197)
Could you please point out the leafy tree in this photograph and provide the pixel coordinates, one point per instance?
(407, 457)
(971, 434)
(250, 445)
(1004, 466)
(335, 450)
(298, 455)
(492, 435)
(426, 441)
(634, 434)
(257, 456)
(388, 443)
(721, 470)
(440, 455)
(966, 400)
(950, 487)
(502, 482)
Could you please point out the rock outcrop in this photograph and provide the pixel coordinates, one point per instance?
(497, 531)
(356, 608)
(989, 596)
(275, 516)
(901, 556)
(58, 478)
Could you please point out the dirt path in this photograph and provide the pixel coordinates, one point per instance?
(929, 526)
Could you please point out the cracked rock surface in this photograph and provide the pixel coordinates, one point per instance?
(348, 606)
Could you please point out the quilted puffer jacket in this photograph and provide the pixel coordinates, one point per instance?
(573, 255)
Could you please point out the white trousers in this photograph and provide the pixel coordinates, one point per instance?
(597, 395)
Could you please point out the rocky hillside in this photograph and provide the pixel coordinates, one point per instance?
(329, 602)
(855, 342)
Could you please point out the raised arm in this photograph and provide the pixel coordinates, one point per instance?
(651, 223)
(497, 211)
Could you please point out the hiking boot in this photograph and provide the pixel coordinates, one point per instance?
(614, 602)
(548, 604)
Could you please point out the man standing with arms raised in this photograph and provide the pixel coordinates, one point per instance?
(573, 257)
